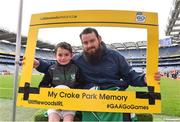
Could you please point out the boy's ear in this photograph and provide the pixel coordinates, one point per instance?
(54, 55)
(73, 54)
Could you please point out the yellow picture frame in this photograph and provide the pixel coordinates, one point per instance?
(93, 100)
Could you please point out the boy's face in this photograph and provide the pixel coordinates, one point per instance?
(63, 56)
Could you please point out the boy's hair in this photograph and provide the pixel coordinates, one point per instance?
(89, 30)
(63, 45)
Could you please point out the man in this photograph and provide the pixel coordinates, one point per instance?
(102, 68)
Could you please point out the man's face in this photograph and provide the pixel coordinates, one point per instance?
(90, 43)
(63, 56)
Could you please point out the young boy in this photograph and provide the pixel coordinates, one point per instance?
(63, 74)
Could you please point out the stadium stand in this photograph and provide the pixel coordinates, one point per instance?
(135, 52)
(173, 24)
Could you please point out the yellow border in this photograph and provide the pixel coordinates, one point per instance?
(105, 18)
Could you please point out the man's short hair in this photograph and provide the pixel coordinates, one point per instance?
(89, 30)
(63, 45)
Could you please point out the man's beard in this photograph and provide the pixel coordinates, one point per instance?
(94, 58)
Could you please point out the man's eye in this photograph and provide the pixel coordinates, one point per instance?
(92, 41)
(85, 43)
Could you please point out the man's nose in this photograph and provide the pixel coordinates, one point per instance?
(89, 45)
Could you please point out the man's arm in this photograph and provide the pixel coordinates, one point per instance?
(42, 65)
(46, 81)
(131, 76)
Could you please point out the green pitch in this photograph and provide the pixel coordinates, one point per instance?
(170, 92)
(7, 82)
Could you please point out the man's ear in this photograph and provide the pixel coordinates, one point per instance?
(100, 39)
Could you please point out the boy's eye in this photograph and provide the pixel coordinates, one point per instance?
(60, 55)
(66, 54)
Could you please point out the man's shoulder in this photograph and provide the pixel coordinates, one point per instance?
(73, 64)
(53, 66)
(77, 56)
(113, 52)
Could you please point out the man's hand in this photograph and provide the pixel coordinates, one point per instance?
(157, 76)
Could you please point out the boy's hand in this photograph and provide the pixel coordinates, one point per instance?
(36, 63)
(23, 61)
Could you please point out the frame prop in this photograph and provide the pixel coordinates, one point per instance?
(93, 100)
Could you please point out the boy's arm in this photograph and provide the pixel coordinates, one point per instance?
(43, 65)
